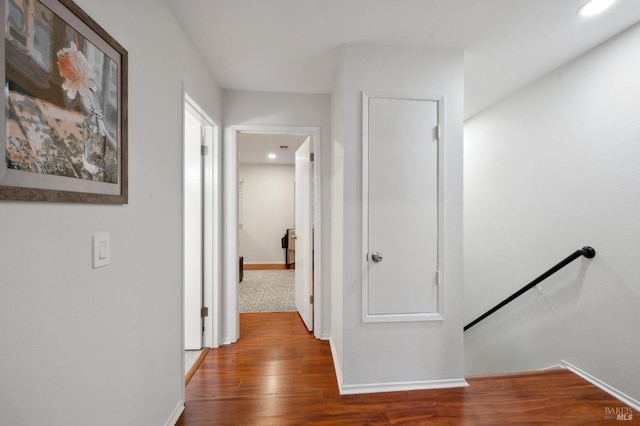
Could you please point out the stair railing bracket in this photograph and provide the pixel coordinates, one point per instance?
(588, 252)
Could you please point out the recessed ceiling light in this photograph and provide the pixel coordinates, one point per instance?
(271, 156)
(593, 7)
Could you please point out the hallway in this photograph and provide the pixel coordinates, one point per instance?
(279, 374)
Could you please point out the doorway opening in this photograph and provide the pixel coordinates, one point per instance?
(201, 231)
(266, 221)
(233, 219)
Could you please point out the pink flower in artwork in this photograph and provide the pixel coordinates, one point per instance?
(76, 72)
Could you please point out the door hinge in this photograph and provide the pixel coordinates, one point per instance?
(204, 312)
(204, 150)
(311, 157)
(436, 133)
(437, 277)
(311, 299)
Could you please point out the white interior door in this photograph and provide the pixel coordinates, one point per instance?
(193, 233)
(400, 209)
(304, 234)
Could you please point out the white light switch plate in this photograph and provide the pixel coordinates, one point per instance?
(101, 249)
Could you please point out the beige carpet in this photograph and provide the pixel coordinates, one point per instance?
(267, 291)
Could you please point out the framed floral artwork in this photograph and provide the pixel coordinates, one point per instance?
(64, 132)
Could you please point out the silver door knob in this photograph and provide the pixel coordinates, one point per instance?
(376, 256)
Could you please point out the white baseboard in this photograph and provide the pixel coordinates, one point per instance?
(402, 386)
(602, 385)
(173, 419)
(228, 341)
(389, 387)
(555, 367)
(325, 336)
(336, 365)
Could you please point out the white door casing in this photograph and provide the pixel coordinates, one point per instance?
(202, 131)
(402, 209)
(193, 232)
(304, 234)
(230, 328)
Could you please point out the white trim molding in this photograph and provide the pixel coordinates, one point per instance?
(336, 365)
(231, 278)
(402, 386)
(212, 223)
(388, 387)
(626, 399)
(175, 415)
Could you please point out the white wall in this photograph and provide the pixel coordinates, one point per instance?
(284, 109)
(405, 354)
(104, 347)
(547, 171)
(337, 221)
(268, 211)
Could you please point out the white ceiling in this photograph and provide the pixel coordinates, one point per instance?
(254, 148)
(292, 45)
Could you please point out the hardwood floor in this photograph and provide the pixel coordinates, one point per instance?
(268, 267)
(279, 374)
(192, 370)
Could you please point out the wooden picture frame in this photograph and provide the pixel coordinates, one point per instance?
(64, 133)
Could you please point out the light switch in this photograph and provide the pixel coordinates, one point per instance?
(101, 249)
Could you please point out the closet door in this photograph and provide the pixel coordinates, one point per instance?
(401, 209)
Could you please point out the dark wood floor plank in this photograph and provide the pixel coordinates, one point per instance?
(279, 374)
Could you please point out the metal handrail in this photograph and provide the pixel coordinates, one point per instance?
(585, 251)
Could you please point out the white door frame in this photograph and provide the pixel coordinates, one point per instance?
(212, 252)
(193, 209)
(231, 324)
